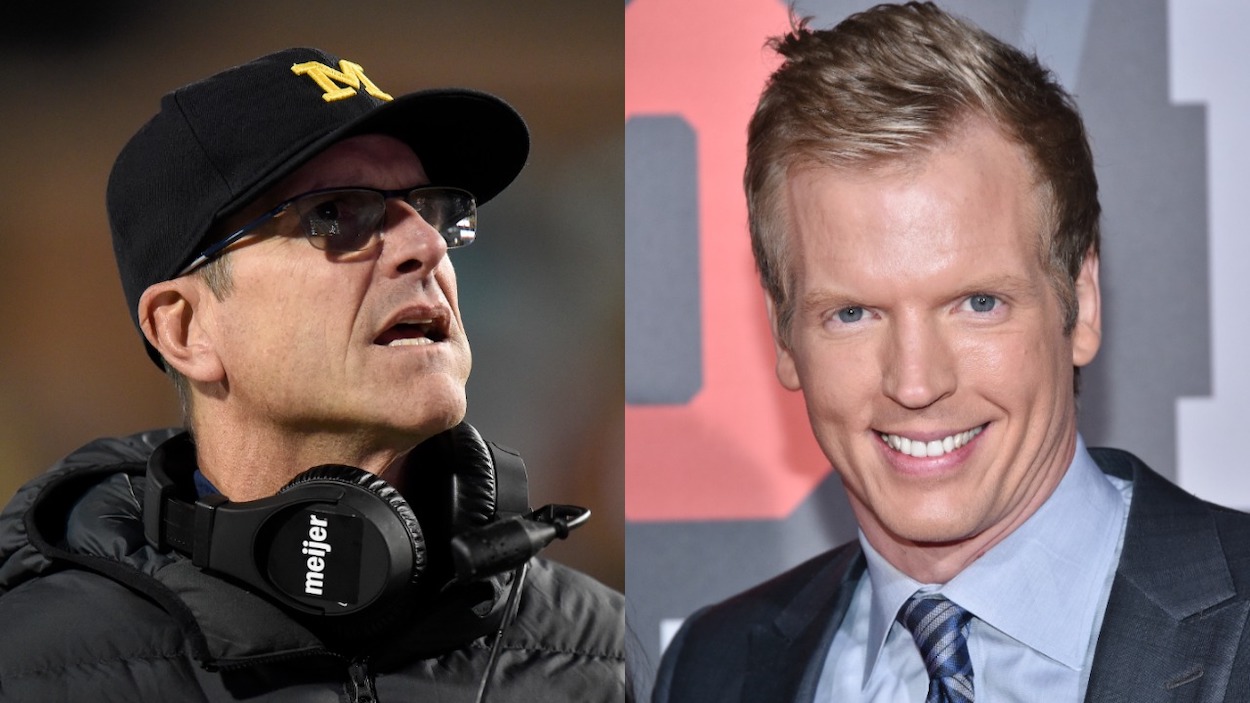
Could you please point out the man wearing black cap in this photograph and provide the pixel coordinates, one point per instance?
(329, 529)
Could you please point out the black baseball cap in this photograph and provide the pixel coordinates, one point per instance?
(219, 143)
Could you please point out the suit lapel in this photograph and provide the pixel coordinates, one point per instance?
(786, 655)
(1173, 621)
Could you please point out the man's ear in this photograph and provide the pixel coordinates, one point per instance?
(1087, 334)
(174, 322)
(787, 371)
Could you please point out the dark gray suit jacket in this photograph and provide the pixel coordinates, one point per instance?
(1175, 627)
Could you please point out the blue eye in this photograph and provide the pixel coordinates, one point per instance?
(850, 314)
(982, 303)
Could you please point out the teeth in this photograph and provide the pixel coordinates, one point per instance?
(412, 332)
(410, 342)
(937, 447)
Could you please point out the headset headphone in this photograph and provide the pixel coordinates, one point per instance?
(339, 541)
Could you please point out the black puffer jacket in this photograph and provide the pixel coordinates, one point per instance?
(90, 612)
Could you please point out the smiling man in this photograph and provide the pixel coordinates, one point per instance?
(924, 215)
(328, 528)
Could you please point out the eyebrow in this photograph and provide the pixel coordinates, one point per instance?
(1012, 286)
(824, 299)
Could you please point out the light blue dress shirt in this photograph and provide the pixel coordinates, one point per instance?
(1038, 599)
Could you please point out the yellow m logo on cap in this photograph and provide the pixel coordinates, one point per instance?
(350, 75)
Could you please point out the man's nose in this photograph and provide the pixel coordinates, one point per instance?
(920, 367)
(409, 243)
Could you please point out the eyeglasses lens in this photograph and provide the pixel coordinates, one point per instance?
(450, 211)
(346, 220)
(340, 221)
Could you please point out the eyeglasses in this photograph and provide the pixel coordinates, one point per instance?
(341, 220)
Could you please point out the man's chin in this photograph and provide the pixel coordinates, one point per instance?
(936, 528)
(436, 414)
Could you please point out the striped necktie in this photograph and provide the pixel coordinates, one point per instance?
(940, 629)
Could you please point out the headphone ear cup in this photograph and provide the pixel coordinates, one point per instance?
(385, 492)
(456, 470)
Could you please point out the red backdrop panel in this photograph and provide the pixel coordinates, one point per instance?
(741, 448)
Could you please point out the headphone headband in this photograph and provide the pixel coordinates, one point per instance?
(333, 544)
(337, 540)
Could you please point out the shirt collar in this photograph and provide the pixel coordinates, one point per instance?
(1055, 562)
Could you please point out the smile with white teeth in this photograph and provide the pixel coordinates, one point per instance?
(921, 449)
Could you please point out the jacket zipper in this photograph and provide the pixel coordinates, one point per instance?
(360, 688)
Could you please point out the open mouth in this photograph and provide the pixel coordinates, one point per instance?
(931, 448)
(411, 332)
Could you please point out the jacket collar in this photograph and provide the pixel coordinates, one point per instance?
(1174, 618)
(86, 512)
(785, 655)
(1173, 593)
